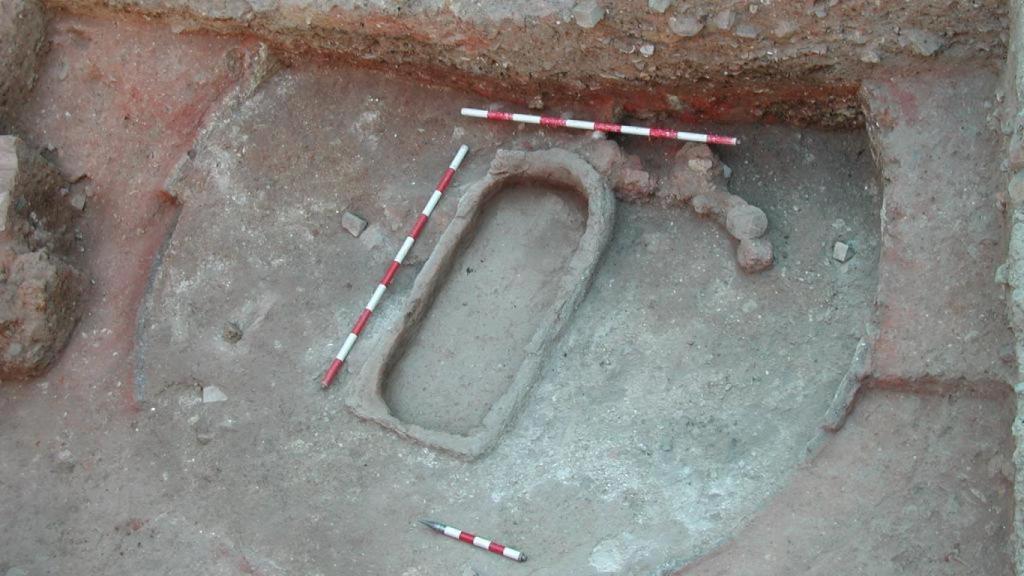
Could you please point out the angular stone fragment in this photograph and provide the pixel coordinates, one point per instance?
(659, 6)
(213, 394)
(77, 201)
(922, 42)
(685, 26)
(724, 19)
(747, 31)
(353, 224)
(746, 222)
(841, 252)
(785, 29)
(587, 13)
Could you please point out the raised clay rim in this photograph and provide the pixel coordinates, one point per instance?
(555, 167)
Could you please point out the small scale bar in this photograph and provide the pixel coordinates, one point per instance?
(601, 127)
(494, 547)
(389, 275)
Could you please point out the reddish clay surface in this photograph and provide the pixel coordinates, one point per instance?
(941, 316)
(880, 499)
(121, 100)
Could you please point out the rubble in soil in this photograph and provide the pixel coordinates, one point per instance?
(697, 178)
(732, 60)
(39, 289)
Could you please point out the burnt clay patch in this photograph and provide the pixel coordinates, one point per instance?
(460, 404)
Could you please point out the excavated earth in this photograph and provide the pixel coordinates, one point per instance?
(818, 417)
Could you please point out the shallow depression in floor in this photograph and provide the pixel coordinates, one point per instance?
(469, 346)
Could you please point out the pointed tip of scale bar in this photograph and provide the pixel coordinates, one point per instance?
(433, 525)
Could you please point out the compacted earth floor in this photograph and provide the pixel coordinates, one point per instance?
(672, 419)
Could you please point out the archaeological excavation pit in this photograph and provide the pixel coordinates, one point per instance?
(619, 354)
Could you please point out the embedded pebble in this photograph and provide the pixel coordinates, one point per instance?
(685, 26)
(870, 55)
(204, 437)
(65, 461)
(77, 201)
(702, 205)
(213, 394)
(659, 6)
(1016, 189)
(232, 332)
(724, 19)
(747, 31)
(746, 222)
(353, 224)
(841, 252)
(784, 29)
(922, 42)
(754, 255)
(587, 13)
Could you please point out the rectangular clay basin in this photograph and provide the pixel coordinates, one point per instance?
(498, 289)
(473, 339)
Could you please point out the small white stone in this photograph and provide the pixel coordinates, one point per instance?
(841, 252)
(213, 394)
(353, 224)
(647, 50)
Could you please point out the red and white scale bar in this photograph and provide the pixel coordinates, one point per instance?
(453, 532)
(385, 281)
(601, 126)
